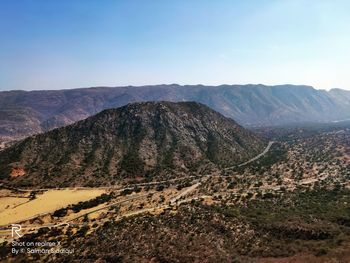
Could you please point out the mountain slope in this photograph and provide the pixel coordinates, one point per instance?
(138, 141)
(24, 113)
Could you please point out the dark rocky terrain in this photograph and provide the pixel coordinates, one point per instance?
(140, 141)
(23, 113)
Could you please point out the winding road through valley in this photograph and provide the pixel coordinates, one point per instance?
(254, 158)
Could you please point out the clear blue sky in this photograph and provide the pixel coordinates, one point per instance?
(48, 44)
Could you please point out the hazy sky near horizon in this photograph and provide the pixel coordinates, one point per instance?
(47, 44)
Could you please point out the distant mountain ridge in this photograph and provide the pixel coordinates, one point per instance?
(23, 113)
(138, 141)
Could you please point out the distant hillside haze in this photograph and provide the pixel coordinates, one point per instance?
(139, 141)
(23, 113)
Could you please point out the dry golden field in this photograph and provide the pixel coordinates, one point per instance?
(16, 209)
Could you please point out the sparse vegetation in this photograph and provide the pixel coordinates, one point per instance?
(291, 202)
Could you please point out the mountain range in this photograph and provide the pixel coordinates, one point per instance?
(23, 113)
(139, 141)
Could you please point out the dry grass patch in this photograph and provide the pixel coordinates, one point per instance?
(47, 202)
